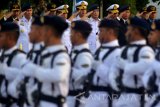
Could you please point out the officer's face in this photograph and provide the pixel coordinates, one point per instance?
(144, 15)
(63, 15)
(112, 15)
(82, 12)
(95, 14)
(153, 15)
(126, 14)
(52, 13)
(153, 38)
(16, 13)
(28, 13)
(2, 39)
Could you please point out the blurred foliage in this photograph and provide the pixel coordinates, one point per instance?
(157, 1)
(141, 3)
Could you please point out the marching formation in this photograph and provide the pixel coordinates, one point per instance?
(50, 60)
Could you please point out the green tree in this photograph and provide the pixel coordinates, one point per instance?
(141, 3)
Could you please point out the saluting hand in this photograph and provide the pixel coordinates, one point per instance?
(46, 13)
(8, 15)
(21, 14)
(60, 14)
(85, 17)
(74, 15)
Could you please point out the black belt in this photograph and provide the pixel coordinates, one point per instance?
(8, 101)
(3, 100)
(134, 90)
(59, 100)
(153, 90)
(105, 89)
(75, 92)
(100, 88)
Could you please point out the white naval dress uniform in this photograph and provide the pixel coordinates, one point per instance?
(66, 38)
(58, 75)
(35, 52)
(23, 41)
(54, 74)
(133, 72)
(26, 23)
(78, 18)
(106, 57)
(33, 56)
(155, 98)
(11, 69)
(15, 61)
(26, 76)
(151, 81)
(81, 66)
(93, 39)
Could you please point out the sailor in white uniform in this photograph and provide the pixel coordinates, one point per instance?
(81, 62)
(94, 20)
(62, 11)
(105, 57)
(25, 27)
(131, 65)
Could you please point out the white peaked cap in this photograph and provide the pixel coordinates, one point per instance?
(82, 2)
(62, 7)
(113, 7)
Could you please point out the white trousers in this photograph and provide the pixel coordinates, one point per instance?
(128, 100)
(97, 99)
(71, 101)
(47, 104)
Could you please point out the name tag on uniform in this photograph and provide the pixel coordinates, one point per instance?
(22, 31)
(60, 64)
(85, 65)
(145, 57)
(22, 24)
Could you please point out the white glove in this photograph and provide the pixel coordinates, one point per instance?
(12, 90)
(156, 66)
(112, 78)
(3, 67)
(96, 64)
(120, 62)
(29, 94)
(29, 69)
(80, 80)
(78, 75)
(102, 71)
